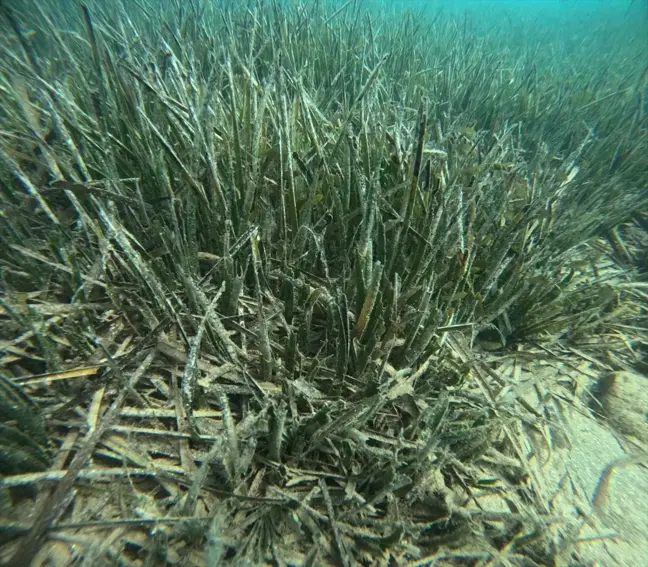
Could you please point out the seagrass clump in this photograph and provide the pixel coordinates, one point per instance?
(262, 266)
(23, 443)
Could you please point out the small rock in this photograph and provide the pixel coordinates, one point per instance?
(623, 398)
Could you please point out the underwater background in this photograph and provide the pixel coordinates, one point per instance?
(323, 283)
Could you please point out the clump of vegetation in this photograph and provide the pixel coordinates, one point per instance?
(24, 439)
(257, 265)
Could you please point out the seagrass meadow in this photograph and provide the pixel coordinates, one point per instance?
(263, 266)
